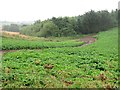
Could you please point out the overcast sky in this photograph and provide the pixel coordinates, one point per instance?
(31, 10)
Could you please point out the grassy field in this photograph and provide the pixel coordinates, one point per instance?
(15, 42)
(25, 44)
(66, 66)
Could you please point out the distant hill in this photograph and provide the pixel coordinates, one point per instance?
(19, 23)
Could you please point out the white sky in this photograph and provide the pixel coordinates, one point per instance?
(30, 10)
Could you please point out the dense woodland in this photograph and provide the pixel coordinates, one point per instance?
(90, 22)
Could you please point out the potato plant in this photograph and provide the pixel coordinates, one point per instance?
(91, 66)
(15, 44)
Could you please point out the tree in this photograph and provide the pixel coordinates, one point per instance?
(90, 22)
(49, 29)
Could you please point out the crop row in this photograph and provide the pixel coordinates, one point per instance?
(92, 66)
(14, 44)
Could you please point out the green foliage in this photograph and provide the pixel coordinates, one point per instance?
(74, 67)
(14, 44)
(93, 22)
(66, 25)
(49, 29)
(90, 22)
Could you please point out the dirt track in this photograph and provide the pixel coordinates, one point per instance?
(4, 51)
(87, 39)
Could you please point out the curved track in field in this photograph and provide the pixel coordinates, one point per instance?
(87, 39)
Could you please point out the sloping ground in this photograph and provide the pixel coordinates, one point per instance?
(92, 66)
(13, 34)
(86, 39)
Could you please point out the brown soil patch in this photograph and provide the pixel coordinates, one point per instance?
(88, 39)
(67, 83)
(11, 33)
(15, 34)
(5, 51)
(48, 66)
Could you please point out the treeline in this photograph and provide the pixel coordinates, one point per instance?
(11, 27)
(90, 22)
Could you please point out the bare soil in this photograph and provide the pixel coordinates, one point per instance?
(88, 40)
(11, 33)
(4, 51)
(15, 34)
